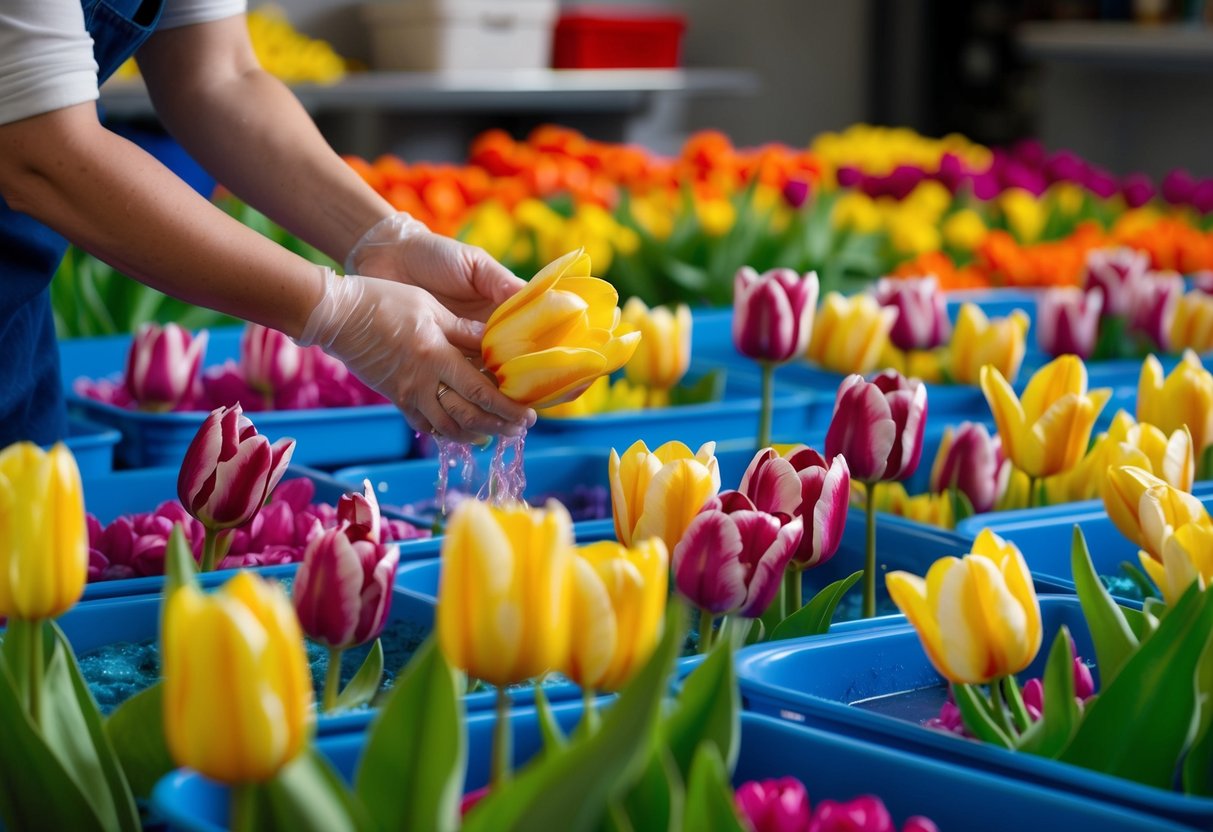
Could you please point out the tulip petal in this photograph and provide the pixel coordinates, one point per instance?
(767, 573)
(707, 563)
(676, 494)
(862, 429)
(542, 379)
(1062, 376)
(1008, 414)
(574, 263)
(772, 484)
(593, 624)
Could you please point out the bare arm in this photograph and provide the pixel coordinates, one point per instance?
(246, 128)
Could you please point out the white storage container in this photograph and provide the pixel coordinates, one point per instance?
(461, 34)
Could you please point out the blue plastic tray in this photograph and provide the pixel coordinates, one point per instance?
(329, 436)
(130, 492)
(820, 682)
(92, 445)
(832, 767)
(1044, 535)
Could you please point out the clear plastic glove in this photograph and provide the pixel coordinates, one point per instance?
(463, 278)
(405, 344)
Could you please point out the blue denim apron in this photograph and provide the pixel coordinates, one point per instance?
(31, 393)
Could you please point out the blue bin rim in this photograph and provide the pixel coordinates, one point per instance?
(195, 417)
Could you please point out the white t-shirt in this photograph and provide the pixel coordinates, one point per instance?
(46, 54)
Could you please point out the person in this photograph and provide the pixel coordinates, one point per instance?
(406, 318)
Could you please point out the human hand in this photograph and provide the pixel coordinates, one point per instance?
(463, 278)
(402, 342)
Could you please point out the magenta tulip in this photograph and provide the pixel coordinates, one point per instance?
(162, 366)
(1178, 186)
(773, 314)
(802, 484)
(732, 557)
(1067, 320)
(774, 805)
(1115, 272)
(269, 359)
(922, 316)
(361, 512)
(971, 461)
(877, 426)
(1155, 298)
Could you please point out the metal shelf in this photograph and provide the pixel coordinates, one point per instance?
(1119, 45)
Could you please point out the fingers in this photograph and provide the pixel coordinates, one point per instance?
(463, 333)
(491, 279)
(480, 391)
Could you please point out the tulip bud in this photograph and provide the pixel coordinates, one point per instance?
(922, 316)
(230, 469)
(1146, 509)
(822, 499)
(977, 616)
(1184, 398)
(269, 360)
(664, 352)
(503, 598)
(1115, 272)
(618, 599)
(1187, 558)
(773, 313)
(1153, 305)
(971, 461)
(1192, 324)
(1067, 321)
(850, 333)
(361, 512)
(732, 557)
(877, 426)
(978, 341)
(162, 366)
(774, 805)
(239, 648)
(657, 493)
(44, 541)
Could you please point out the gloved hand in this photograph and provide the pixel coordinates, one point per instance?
(463, 278)
(403, 343)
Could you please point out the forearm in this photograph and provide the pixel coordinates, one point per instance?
(251, 133)
(114, 200)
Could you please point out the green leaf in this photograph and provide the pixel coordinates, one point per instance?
(962, 507)
(571, 790)
(1111, 633)
(814, 618)
(136, 730)
(657, 801)
(1142, 720)
(1061, 714)
(31, 772)
(1198, 764)
(1144, 585)
(976, 716)
(710, 805)
(708, 710)
(411, 773)
(362, 688)
(709, 388)
(308, 796)
(1143, 622)
(553, 735)
(776, 611)
(180, 568)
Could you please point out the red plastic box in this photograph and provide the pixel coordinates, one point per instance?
(617, 40)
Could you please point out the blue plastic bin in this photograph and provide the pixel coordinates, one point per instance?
(832, 767)
(326, 436)
(820, 682)
(92, 445)
(130, 492)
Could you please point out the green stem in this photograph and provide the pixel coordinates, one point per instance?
(793, 589)
(707, 623)
(1032, 482)
(332, 680)
(33, 629)
(210, 549)
(998, 708)
(502, 751)
(869, 566)
(589, 709)
(243, 808)
(1019, 711)
(768, 396)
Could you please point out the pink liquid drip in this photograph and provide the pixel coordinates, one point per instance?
(451, 454)
(507, 479)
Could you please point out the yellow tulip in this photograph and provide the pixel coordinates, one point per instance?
(1185, 397)
(1146, 510)
(618, 600)
(664, 353)
(977, 616)
(549, 342)
(978, 341)
(892, 498)
(1192, 326)
(912, 234)
(604, 396)
(43, 537)
(855, 211)
(964, 230)
(491, 228)
(658, 493)
(1026, 215)
(1048, 431)
(850, 334)
(1187, 558)
(504, 593)
(716, 216)
(237, 688)
(1068, 197)
(924, 365)
(1129, 443)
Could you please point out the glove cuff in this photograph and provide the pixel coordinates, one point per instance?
(341, 297)
(387, 232)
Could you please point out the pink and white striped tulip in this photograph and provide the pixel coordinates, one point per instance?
(229, 469)
(922, 316)
(1067, 321)
(269, 359)
(162, 366)
(802, 484)
(1115, 272)
(732, 557)
(877, 426)
(361, 512)
(773, 313)
(971, 461)
(1155, 299)
(774, 805)
(343, 589)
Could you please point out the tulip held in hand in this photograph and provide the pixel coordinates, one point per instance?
(162, 366)
(657, 493)
(549, 342)
(228, 472)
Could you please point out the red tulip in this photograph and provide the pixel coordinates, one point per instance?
(361, 512)
(162, 366)
(803, 484)
(774, 805)
(1155, 298)
(269, 359)
(773, 313)
(1067, 320)
(229, 469)
(877, 426)
(922, 316)
(971, 461)
(1115, 271)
